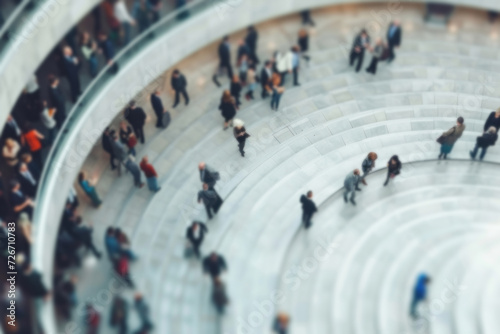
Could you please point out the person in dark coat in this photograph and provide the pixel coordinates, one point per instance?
(303, 43)
(195, 234)
(367, 165)
(361, 42)
(19, 201)
(419, 293)
(143, 311)
(208, 175)
(214, 265)
(57, 100)
(493, 120)
(219, 296)
(179, 84)
(224, 60)
(265, 75)
(227, 108)
(210, 199)
(71, 67)
(306, 18)
(27, 180)
(119, 314)
(393, 38)
(137, 118)
(488, 139)
(107, 146)
(158, 108)
(236, 89)
(12, 129)
(243, 50)
(393, 168)
(308, 208)
(32, 283)
(107, 48)
(251, 41)
(83, 234)
(241, 135)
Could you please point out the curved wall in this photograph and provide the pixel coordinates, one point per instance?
(187, 37)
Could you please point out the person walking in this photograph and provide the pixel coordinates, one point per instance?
(235, 89)
(137, 118)
(241, 135)
(377, 53)
(306, 18)
(158, 109)
(244, 65)
(119, 314)
(89, 51)
(303, 43)
(419, 293)
(107, 146)
(493, 120)
(295, 65)
(150, 173)
(450, 137)
(361, 42)
(228, 108)
(143, 311)
(351, 183)
(393, 38)
(179, 84)
(88, 187)
(488, 139)
(120, 152)
(58, 101)
(112, 244)
(195, 234)
(92, 319)
(125, 132)
(251, 41)
(308, 208)
(251, 82)
(71, 67)
(208, 175)
(83, 234)
(210, 199)
(126, 20)
(393, 169)
(284, 64)
(265, 76)
(224, 60)
(133, 168)
(280, 325)
(219, 297)
(276, 90)
(367, 165)
(214, 265)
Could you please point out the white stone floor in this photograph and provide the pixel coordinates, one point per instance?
(437, 217)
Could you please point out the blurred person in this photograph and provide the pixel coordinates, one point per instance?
(284, 64)
(208, 175)
(306, 18)
(308, 208)
(236, 90)
(112, 244)
(24, 224)
(73, 198)
(131, 143)
(107, 146)
(19, 201)
(158, 109)
(277, 91)
(10, 152)
(393, 169)
(265, 75)
(88, 187)
(143, 312)
(224, 61)
(122, 266)
(155, 8)
(134, 169)
(219, 296)
(58, 101)
(241, 135)
(83, 234)
(361, 42)
(280, 325)
(33, 99)
(27, 180)
(393, 38)
(137, 118)
(295, 65)
(89, 50)
(303, 43)
(150, 173)
(140, 12)
(243, 69)
(488, 139)
(48, 121)
(351, 186)
(251, 82)
(31, 138)
(493, 120)
(11, 129)
(120, 152)
(27, 158)
(72, 67)
(65, 296)
(179, 84)
(228, 108)
(195, 234)
(377, 53)
(450, 137)
(31, 281)
(251, 41)
(243, 50)
(214, 265)
(113, 23)
(126, 20)
(368, 165)
(119, 314)
(124, 243)
(210, 199)
(419, 293)
(107, 49)
(92, 319)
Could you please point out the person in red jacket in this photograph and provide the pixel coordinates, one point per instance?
(150, 174)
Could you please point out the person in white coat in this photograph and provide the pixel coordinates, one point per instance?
(284, 64)
(126, 20)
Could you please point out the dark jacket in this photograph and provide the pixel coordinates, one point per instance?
(367, 165)
(58, 101)
(307, 204)
(396, 38)
(492, 121)
(33, 285)
(214, 268)
(394, 169)
(156, 104)
(71, 70)
(108, 50)
(179, 83)
(237, 132)
(228, 110)
(107, 143)
(190, 234)
(487, 139)
(304, 43)
(243, 50)
(264, 77)
(209, 176)
(208, 197)
(136, 117)
(251, 40)
(125, 134)
(224, 53)
(358, 42)
(235, 88)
